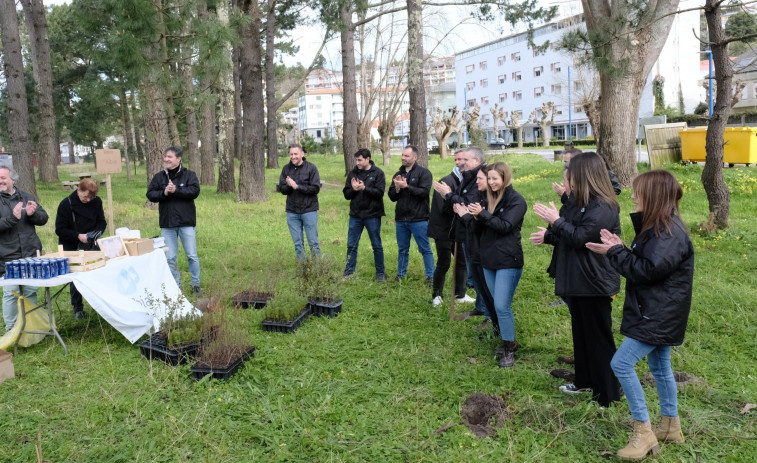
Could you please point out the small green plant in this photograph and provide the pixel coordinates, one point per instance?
(285, 306)
(178, 328)
(224, 335)
(321, 279)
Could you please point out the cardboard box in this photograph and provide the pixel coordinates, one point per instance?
(139, 247)
(6, 366)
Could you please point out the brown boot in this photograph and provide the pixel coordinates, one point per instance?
(669, 430)
(641, 443)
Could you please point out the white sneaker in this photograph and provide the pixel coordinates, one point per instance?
(437, 301)
(465, 300)
(572, 389)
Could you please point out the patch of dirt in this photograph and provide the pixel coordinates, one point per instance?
(483, 414)
(683, 379)
(562, 373)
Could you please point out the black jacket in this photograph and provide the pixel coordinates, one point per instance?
(412, 202)
(659, 273)
(466, 193)
(74, 218)
(442, 215)
(178, 208)
(500, 244)
(474, 229)
(578, 271)
(305, 197)
(616, 186)
(367, 203)
(18, 237)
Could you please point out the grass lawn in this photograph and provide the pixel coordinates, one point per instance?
(376, 382)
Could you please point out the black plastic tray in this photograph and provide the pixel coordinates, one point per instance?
(221, 373)
(155, 347)
(249, 303)
(325, 309)
(291, 327)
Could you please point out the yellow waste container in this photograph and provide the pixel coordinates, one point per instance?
(740, 145)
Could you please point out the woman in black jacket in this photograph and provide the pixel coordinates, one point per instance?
(583, 279)
(659, 271)
(79, 222)
(500, 249)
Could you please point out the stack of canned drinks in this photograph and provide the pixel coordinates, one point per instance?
(37, 267)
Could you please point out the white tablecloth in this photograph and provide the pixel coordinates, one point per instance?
(120, 291)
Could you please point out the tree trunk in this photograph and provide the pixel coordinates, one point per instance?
(270, 88)
(718, 195)
(47, 159)
(621, 97)
(136, 117)
(190, 106)
(169, 105)
(349, 89)
(207, 111)
(386, 130)
(71, 153)
(156, 123)
(127, 129)
(416, 89)
(226, 120)
(236, 63)
(252, 168)
(19, 144)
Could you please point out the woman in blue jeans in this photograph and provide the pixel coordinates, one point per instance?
(659, 271)
(501, 252)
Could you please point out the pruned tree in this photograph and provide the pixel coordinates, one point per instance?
(415, 85)
(498, 114)
(544, 118)
(517, 123)
(445, 124)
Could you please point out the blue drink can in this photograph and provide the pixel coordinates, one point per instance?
(23, 269)
(8, 271)
(53, 267)
(46, 272)
(38, 267)
(66, 267)
(16, 269)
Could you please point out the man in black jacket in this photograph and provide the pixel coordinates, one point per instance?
(439, 225)
(365, 189)
(300, 182)
(410, 188)
(175, 189)
(19, 214)
(80, 221)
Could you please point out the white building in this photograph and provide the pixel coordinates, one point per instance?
(319, 111)
(508, 73)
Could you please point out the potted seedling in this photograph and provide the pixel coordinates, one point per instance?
(180, 333)
(227, 349)
(258, 294)
(285, 312)
(321, 282)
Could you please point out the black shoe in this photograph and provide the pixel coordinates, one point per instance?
(476, 313)
(567, 375)
(566, 360)
(381, 278)
(196, 291)
(80, 314)
(398, 278)
(430, 282)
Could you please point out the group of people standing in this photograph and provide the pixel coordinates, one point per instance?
(477, 216)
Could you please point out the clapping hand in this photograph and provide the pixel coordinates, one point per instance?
(357, 184)
(460, 209)
(547, 214)
(609, 240)
(291, 182)
(400, 182)
(475, 209)
(441, 188)
(537, 238)
(17, 210)
(558, 188)
(170, 188)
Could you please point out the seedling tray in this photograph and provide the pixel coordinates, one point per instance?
(222, 373)
(284, 327)
(325, 309)
(246, 302)
(155, 347)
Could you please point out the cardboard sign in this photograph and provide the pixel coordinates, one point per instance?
(108, 161)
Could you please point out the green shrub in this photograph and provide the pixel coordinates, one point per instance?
(321, 279)
(285, 306)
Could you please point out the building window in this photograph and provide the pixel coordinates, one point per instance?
(538, 91)
(485, 119)
(317, 134)
(558, 110)
(538, 70)
(500, 61)
(556, 89)
(470, 85)
(482, 65)
(517, 95)
(484, 83)
(471, 103)
(484, 100)
(555, 67)
(501, 79)
(578, 86)
(469, 68)
(504, 115)
(502, 97)
(516, 76)
(579, 109)
(515, 56)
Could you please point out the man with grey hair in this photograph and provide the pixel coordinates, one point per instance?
(19, 214)
(467, 193)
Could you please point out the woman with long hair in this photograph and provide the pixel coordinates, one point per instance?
(659, 272)
(584, 280)
(501, 251)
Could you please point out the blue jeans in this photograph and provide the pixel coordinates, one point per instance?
(188, 241)
(419, 231)
(629, 353)
(502, 283)
(10, 302)
(309, 223)
(480, 301)
(355, 230)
